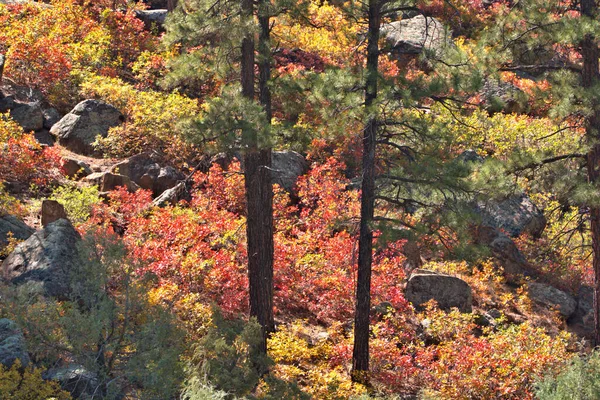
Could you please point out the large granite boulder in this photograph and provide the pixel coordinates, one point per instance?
(45, 260)
(553, 297)
(448, 291)
(149, 171)
(18, 228)
(12, 344)
(287, 166)
(413, 35)
(514, 215)
(89, 119)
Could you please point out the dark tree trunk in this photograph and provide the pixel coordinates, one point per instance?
(259, 193)
(590, 75)
(360, 355)
(171, 4)
(2, 61)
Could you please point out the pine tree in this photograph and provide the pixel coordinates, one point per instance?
(222, 34)
(549, 29)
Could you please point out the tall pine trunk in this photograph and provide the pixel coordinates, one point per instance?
(590, 75)
(360, 355)
(259, 194)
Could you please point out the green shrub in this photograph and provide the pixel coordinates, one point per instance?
(580, 380)
(78, 201)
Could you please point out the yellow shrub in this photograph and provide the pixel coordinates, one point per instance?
(151, 118)
(28, 385)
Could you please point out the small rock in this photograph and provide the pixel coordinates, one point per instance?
(89, 119)
(448, 291)
(553, 297)
(52, 211)
(12, 344)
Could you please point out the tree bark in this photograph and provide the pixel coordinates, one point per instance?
(589, 77)
(171, 5)
(360, 355)
(259, 191)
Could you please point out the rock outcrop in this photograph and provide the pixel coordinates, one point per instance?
(448, 291)
(89, 119)
(45, 260)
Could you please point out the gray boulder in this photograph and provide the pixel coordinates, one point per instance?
(171, 196)
(107, 181)
(515, 215)
(502, 96)
(583, 317)
(413, 35)
(75, 379)
(504, 251)
(75, 168)
(287, 167)
(149, 171)
(89, 119)
(448, 291)
(12, 344)
(44, 138)
(18, 228)
(27, 114)
(45, 260)
(152, 18)
(51, 117)
(553, 297)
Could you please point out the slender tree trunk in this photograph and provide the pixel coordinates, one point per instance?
(259, 192)
(171, 4)
(590, 76)
(360, 356)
